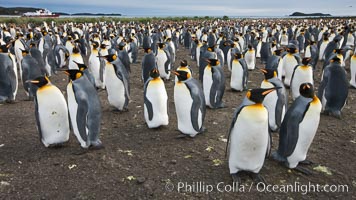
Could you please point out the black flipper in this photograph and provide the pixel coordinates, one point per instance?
(147, 102)
(38, 119)
(82, 112)
(198, 103)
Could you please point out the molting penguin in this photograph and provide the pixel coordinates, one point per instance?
(249, 138)
(155, 101)
(276, 101)
(302, 74)
(189, 102)
(239, 73)
(84, 109)
(214, 84)
(117, 83)
(298, 129)
(333, 88)
(51, 112)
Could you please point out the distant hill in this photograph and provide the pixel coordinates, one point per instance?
(21, 10)
(300, 14)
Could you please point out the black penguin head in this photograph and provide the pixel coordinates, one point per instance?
(122, 44)
(338, 51)
(182, 75)
(73, 74)
(249, 46)
(40, 81)
(213, 62)
(102, 46)
(238, 55)
(258, 95)
(161, 45)
(269, 73)
(76, 49)
(335, 59)
(95, 44)
(81, 66)
(154, 73)
(306, 90)
(278, 52)
(183, 63)
(147, 50)
(24, 52)
(306, 60)
(110, 57)
(4, 48)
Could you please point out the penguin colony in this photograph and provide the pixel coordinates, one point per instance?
(98, 56)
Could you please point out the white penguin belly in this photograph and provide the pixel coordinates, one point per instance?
(94, 67)
(114, 87)
(289, 62)
(161, 60)
(301, 76)
(270, 102)
(207, 83)
(73, 108)
(249, 140)
(280, 69)
(53, 115)
(237, 74)
(77, 58)
(228, 60)
(250, 60)
(183, 104)
(307, 52)
(157, 95)
(353, 71)
(322, 49)
(307, 130)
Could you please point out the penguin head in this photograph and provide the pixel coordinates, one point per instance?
(81, 66)
(238, 55)
(24, 52)
(306, 60)
(95, 44)
(257, 95)
(335, 59)
(4, 48)
(161, 45)
(269, 73)
(122, 44)
(76, 49)
(213, 62)
(182, 75)
(147, 50)
(154, 73)
(183, 63)
(40, 81)
(110, 57)
(74, 74)
(306, 90)
(249, 46)
(338, 51)
(278, 52)
(102, 46)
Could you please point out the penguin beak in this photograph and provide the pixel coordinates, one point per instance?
(176, 73)
(32, 81)
(269, 91)
(263, 71)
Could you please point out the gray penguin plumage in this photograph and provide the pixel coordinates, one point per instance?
(8, 83)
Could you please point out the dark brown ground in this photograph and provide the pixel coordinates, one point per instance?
(155, 158)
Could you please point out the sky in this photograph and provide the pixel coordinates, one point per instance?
(192, 7)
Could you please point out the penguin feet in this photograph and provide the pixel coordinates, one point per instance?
(302, 170)
(96, 147)
(182, 136)
(306, 162)
(236, 178)
(257, 178)
(10, 101)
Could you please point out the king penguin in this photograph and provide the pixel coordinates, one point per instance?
(290, 60)
(163, 61)
(155, 101)
(148, 64)
(75, 56)
(298, 129)
(8, 76)
(276, 102)
(117, 83)
(189, 102)
(333, 88)
(239, 73)
(302, 74)
(84, 109)
(353, 70)
(250, 57)
(249, 138)
(96, 66)
(183, 67)
(86, 72)
(51, 113)
(214, 84)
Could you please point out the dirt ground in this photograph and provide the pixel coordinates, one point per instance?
(142, 163)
